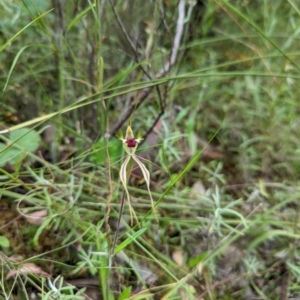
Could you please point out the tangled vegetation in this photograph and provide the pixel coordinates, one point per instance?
(206, 207)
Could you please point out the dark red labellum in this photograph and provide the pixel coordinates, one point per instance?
(131, 143)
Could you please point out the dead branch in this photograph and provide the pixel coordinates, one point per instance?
(166, 68)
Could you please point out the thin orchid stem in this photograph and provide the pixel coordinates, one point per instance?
(118, 225)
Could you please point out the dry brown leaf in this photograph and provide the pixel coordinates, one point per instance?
(178, 257)
(17, 258)
(198, 188)
(37, 217)
(28, 268)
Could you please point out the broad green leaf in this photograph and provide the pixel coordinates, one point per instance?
(26, 139)
(99, 157)
(22, 140)
(10, 155)
(4, 242)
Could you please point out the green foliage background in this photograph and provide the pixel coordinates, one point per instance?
(225, 153)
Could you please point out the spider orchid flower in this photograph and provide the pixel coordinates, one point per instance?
(130, 144)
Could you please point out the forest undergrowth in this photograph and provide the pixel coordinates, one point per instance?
(198, 198)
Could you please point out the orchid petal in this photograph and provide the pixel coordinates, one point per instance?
(146, 176)
(124, 177)
(123, 173)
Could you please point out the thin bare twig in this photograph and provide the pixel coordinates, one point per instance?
(122, 27)
(165, 69)
(152, 127)
(118, 225)
(112, 250)
(284, 282)
(176, 43)
(134, 48)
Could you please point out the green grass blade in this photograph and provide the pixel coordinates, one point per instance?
(19, 32)
(79, 17)
(236, 11)
(186, 169)
(13, 65)
(129, 240)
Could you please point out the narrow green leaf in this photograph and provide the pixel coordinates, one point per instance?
(40, 230)
(258, 30)
(129, 240)
(192, 161)
(19, 32)
(125, 294)
(233, 212)
(79, 17)
(271, 234)
(13, 65)
(194, 261)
